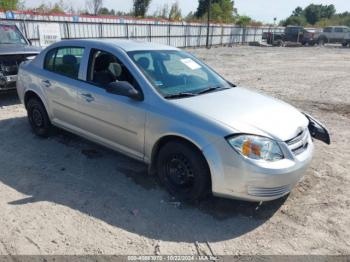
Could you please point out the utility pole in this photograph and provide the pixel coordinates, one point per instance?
(208, 25)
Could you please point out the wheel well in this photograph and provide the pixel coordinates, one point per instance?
(28, 95)
(161, 142)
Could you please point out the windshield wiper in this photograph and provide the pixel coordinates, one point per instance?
(211, 89)
(180, 95)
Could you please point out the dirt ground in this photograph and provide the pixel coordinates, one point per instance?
(65, 195)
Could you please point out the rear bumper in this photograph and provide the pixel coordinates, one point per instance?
(234, 176)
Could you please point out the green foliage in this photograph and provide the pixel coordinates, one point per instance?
(172, 13)
(221, 10)
(243, 20)
(9, 4)
(141, 7)
(175, 12)
(106, 11)
(311, 15)
(294, 20)
(298, 11)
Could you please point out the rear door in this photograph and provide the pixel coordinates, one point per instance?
(59, 80)
(338, 34)
(110, 119)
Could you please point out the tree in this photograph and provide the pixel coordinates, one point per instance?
(141, 7)
(314, 13)
(162, 12)
(327, 11)
(243, 20)
(221, 10)
(106, 11)
(297, 11)
(56, 9)
(10, 4)
(175, 12)
(294, 20)
(94, 6)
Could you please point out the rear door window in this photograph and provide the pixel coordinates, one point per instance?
(64, 61)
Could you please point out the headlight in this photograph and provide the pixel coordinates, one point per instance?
(256, 147)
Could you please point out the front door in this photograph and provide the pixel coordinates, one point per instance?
(113, 120)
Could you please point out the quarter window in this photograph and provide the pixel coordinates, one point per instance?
(64, 61)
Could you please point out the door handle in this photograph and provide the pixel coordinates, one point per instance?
(46, 83)
(88, 97)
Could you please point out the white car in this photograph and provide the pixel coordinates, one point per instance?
(161, 105)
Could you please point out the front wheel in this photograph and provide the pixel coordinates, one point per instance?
(38, 118)
(344, 44)
(183, 171)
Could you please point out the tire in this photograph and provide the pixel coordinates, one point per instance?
(183, 171)
(322, 41)
(38, 118)
(344, 44)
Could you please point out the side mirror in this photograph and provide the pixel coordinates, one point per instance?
(124, 88)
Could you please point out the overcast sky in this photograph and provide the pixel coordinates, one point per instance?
(262, 10)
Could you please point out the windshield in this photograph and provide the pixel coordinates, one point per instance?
(9, 34)
(175, 72)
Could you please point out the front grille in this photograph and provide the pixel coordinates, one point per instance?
(9, 63)
(268, 191)
(299, 143)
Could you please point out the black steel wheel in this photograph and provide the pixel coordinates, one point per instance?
(183, 171)
(38, 118)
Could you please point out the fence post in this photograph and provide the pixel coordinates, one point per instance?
(67, 31)
(169, 30)
(222, 34)
(199, 40)
(211, 36)
(150, 32)
(185, 39)
(127, 30)
(255, 33)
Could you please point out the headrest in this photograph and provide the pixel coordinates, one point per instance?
(102, 62)
(69, 60)
(116, 69)
(143, 62)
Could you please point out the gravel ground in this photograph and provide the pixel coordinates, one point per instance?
(65, 195)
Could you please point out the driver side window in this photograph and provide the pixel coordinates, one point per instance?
(105, 68)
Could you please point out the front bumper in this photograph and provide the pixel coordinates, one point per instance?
(8, 82)
(234, 176)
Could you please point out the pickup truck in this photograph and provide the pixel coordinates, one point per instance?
(14, 49)
(334, 34)
(296, 34)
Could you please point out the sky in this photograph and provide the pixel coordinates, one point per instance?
(261, 10)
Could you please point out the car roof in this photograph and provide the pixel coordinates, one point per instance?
(126, 45)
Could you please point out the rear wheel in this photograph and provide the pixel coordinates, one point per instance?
(38, 118)
(344, 44)
(183, 171)
(322, 41)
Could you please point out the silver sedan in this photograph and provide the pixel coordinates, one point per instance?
(197, 131)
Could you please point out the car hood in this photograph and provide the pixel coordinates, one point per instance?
(245, 111)
(12, 49)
